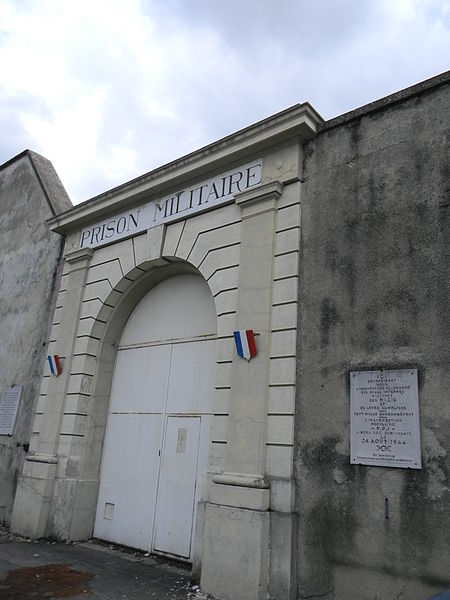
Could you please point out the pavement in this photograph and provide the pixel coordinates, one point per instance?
(46, 570)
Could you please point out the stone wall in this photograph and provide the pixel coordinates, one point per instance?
(30, 193)
(374, 294)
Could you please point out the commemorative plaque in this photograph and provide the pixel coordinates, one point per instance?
(9, 403)
(384, 419)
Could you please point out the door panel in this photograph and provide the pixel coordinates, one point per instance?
(178, 307)
(191, 377)
(140, 380)
(129, 474)
(176, 495)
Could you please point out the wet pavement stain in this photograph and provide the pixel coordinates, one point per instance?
(45, 582)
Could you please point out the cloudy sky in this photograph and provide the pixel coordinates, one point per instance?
(110, 89)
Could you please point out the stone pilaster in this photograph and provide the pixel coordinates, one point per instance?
(36, 484)
(237, 526)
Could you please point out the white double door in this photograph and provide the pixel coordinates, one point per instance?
(155, 449)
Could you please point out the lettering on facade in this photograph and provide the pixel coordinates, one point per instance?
(112, 229)
(9, 404)
(384, 419)
(213, 192)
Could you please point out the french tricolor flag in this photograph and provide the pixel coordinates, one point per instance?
(55, 365)
(245, 343)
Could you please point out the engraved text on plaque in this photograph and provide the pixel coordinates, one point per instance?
(384, 419)
(9, 403)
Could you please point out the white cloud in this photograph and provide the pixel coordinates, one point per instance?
(110, 89)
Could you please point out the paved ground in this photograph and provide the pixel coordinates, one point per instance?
(48, 570)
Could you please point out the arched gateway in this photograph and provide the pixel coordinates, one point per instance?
(159, 417)
(158, 272)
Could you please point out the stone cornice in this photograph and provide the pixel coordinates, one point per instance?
(300, 121)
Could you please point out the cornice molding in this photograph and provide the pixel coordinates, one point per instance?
(299, 122)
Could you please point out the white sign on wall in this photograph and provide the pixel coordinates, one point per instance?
(9, 404)
(202, 196)
(384, 419)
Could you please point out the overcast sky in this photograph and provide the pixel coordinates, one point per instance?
(110, 89)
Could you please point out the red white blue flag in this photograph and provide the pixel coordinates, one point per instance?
(55, 365)
(245, 343)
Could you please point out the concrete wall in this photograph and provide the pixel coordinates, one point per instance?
(30, 193)
(374, 294)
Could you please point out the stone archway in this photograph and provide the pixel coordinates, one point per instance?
(157, 432)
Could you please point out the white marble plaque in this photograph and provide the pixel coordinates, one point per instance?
(384, 419)
(9, 404)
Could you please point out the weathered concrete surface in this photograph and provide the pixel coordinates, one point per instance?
(374, 294)
(41, 569)
(30, 193)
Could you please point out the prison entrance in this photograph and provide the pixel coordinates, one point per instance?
(157, 431)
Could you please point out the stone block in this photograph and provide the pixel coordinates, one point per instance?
(238, 541)
(34, 491)
(155, 243)
(283, 343)
(202, 223)
(208, 241)
(226, 301)
(282, 399)
(110, 270)
(285, 290)
(219, 258)
(226, 349)
(223, 279)
(226, 324)
(219, 427)
(286, 265)
(239, 497)
(280, 429)
(283, 165)
(216, 457)
(223, 374)
(73, 424)
(87, 345)
(40, 404)
(77, 403)
(282, 371)
(140, 249)
(79, 384)
(221, 401)
(284, 316)
(279, 461)
(288, 217)
(282, 495)
(282, 556)
(36, 427)
(287, 240)
(83, 364)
